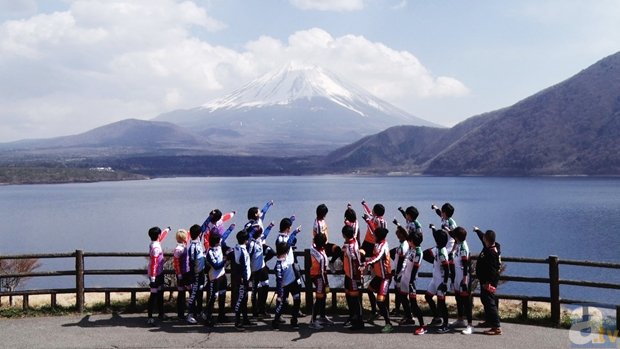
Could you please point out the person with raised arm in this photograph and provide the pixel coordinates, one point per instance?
(398, 255)
(488, 268)
(215, 220)
(352, 278)
(156, 273)
(179, 263)
(217, 279)
(381, 264)
(260, 272)
(320, 227)
(318, 273)
(408, 275)
(196, 262)
(462, 281)
(287, 282)
(438, 256)
(241, 271)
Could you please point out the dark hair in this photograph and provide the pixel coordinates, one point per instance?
(378, 210)
(320, 240)
(441, 238)
(401, 232)
(348, 232)
(256, 231)
(413, 212)
(252, 212)
(285, 223)
(321, 211)
(216, 215)
(380, 234)
(242, 237)
(194, 231)
(447, 209)
(282, 248)
(214, 239)
(459, 233)
(490, 236)
(154, 233)
(350, 215)
(416, 237)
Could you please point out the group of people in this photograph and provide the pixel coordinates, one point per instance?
(202, 254)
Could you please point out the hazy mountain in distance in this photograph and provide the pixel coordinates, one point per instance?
(126, 136)
(296, 107)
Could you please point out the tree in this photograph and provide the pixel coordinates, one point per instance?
(15, 266)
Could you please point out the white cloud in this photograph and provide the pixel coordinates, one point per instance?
(103, 61)
(329, 5)
(397, 76)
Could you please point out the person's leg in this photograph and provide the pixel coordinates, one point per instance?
(486, 304)
(402, 297)
(431, 304)
(181, 296)
(193, 296)
(296, 292)
(415, 309)
(152, 303)
(211, 300)
(238, 303)
(244, 304)
(160, 302)
(200, 293)
(442, 309)
(373, 301)
(255, 293)
(494, 319)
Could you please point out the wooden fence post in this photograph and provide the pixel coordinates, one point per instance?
(554, 289)
(524, 309)
(79, 280)
(308, 281)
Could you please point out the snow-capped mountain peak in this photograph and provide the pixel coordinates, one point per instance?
(296, 82)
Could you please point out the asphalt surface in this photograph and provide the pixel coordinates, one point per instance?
(131, 331)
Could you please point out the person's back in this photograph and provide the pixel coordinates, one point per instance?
(287, 282)
(215, 260)
(179, 262)
(241, 271)
(156, 273)
(488, 269)
(196, 262)
(255, 251)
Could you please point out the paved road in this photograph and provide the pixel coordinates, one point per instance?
(130, 331)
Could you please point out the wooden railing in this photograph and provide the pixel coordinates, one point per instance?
(552, 262)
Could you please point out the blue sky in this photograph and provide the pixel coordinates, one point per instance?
(69, 66)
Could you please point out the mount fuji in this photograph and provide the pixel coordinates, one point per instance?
(296, 110)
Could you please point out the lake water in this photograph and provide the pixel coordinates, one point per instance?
(574, 218)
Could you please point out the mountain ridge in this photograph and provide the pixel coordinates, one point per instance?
(569, 128)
